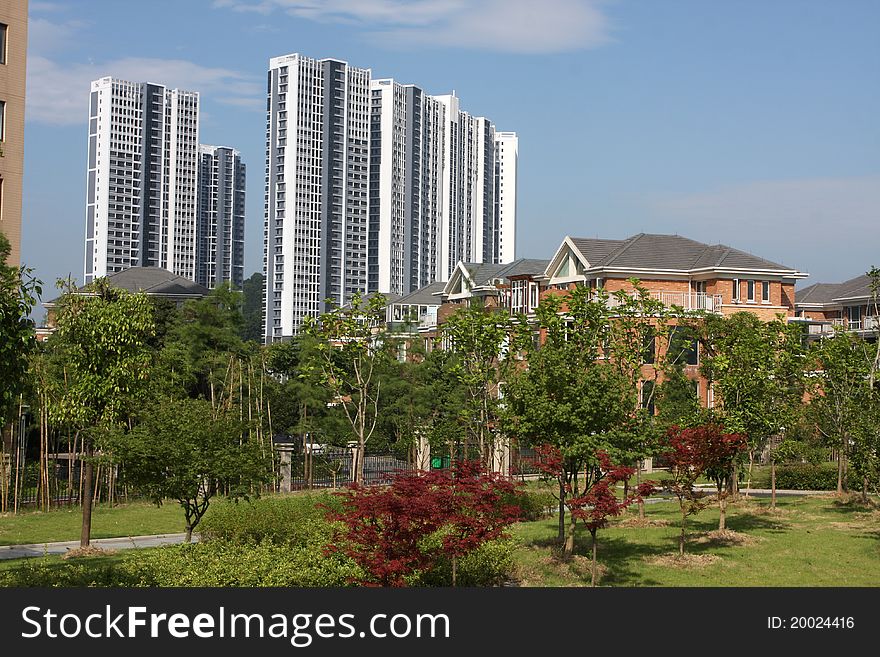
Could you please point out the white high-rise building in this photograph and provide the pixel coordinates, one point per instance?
(221, 212)
(373, 186)
(317, 175)
(468, 188)
(406, 165)
(141, 181)
(506, 155)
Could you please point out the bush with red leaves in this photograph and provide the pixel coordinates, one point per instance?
(384, 529)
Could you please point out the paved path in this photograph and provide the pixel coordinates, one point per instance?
(123, 543)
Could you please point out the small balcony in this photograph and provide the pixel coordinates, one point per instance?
(831, 326)
(710, 303)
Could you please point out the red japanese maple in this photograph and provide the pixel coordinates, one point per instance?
(384, 529)
(693, 452)
(599, 502)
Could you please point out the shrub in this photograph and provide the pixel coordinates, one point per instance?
(813, 477)
(489, 565)
(285, 520)
(46, 572)
(533, 505)
(219, 563)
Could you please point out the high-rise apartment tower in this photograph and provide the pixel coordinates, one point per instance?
(373, 186)
(317, 175)
(141, 181)
(221, 212)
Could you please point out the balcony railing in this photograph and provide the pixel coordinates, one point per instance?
(871, 323)
(690, 300)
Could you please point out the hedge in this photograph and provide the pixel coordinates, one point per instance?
(813, 477)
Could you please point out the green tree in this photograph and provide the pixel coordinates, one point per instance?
(569, 398)
(201, 342)
(841, 402)
(186, 451)
(252, 308)
(480, 336)
(19, 292)
(102, 340)
(350, 344)
(756, 369)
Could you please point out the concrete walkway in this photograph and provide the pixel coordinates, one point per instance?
(123, 543)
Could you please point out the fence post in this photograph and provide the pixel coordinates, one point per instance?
(423, 453)
(285, 452)
(501, 455)
(356, 460)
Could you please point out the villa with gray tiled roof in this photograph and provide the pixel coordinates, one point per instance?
(826, 307)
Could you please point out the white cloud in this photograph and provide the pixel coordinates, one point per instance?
(829, 227)
(57, 93)
(45, 36)
(502, 25)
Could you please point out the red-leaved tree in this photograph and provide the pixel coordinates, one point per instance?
(599, 502)
(384, 529)
(691, 453)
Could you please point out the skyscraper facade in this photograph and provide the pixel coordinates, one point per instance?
(406, 165)
(142, 178)
(221, 212)
(468, 188)
(372, 186)
(506, 156)
(317, 163)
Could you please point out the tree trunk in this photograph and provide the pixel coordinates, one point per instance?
(681, 536)
(189, 532)
(865, 489)
(722, 508)
(641, 502)
(569, 540)
(454, 571)
(840, 481)
(561, 512)
(749, 478)
(773, 484)
(593, 572)
(85, 535)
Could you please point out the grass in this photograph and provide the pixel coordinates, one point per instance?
(133, 519)
(808, 542)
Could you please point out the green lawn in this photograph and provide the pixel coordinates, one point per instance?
(133, 519)
(809, 542)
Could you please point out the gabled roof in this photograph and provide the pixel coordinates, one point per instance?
(647, 251)
(821, 294)
(483, 275)
(156, 281)
(153, 281)
(596, 250)
(424, 296)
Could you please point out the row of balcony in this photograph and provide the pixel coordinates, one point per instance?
(829, 327)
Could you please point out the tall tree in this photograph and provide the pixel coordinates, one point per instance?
(569, 397)
(351, 342)
(102, 339)
(841, 402)
(252, 308)
(480, 336)
(189, 452)
(756, 370)
(19, 292)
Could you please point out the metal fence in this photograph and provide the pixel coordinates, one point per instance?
(21, 485)
(331, 467)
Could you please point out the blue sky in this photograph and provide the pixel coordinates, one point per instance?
(753, 123)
